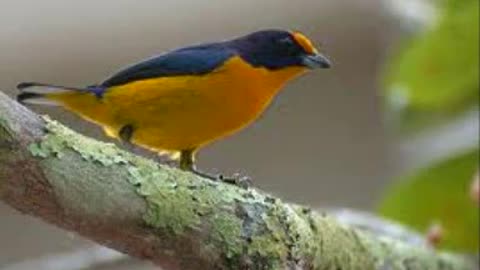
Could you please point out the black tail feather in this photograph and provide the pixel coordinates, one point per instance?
(25, 96)
(24, 85)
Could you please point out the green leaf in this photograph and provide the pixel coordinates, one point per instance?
(440, 193)
(437, 73)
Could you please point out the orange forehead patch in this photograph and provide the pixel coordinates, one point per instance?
(303, 41)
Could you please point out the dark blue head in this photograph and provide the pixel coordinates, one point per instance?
(277, 49)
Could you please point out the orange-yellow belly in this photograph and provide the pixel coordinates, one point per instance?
(185, 112)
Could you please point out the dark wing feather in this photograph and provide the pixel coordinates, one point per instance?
(195, 60)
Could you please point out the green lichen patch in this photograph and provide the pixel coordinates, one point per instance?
(179, 200)
(226, 232)
(287, 235)
(267, 245)
(337, 244)
(58, 139)
(267, 252)
(267, 231)
(171, 205)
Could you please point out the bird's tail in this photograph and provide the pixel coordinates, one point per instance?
(40, 93)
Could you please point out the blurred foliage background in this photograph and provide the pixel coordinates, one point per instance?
(436, 74)
(433, 78)
(393, 126)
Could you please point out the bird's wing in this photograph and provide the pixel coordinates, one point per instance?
(195, 60)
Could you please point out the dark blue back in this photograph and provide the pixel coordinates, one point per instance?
(194, 60)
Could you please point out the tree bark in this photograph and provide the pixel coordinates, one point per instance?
(174, 218)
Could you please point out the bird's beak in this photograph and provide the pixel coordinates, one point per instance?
(314, 61)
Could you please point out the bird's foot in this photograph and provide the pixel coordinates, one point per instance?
(243, 181)
(235, 179)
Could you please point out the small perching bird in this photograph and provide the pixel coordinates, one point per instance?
(182, 100)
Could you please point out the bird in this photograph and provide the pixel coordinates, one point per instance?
(179, 101)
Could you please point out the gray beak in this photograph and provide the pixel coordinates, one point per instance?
(314, 61)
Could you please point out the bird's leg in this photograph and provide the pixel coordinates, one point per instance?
(187, 163)
(125, 135)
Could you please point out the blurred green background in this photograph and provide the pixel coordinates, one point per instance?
(433, 79)
(402, 96)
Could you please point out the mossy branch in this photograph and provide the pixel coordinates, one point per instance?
(173, 218)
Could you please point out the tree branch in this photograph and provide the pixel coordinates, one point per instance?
(173, 218)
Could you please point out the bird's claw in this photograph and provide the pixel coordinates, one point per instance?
(236, 179)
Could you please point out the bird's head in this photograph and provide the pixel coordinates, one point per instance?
(278, 49)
